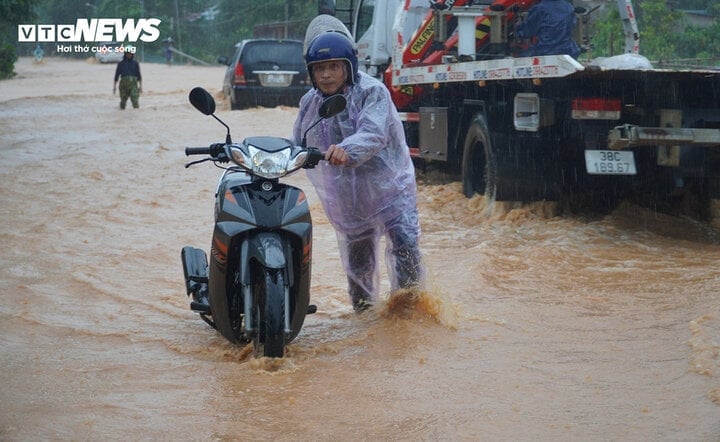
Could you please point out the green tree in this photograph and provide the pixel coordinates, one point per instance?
(238, 19)
(64, 12)
(659, 29)
(13, 13)
(702, 44)
(607, 35)
(665, 34)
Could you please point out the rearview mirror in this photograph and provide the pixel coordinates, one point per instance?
(332, 106)
(202, 100)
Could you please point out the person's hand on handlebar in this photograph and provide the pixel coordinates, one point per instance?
(336, 155)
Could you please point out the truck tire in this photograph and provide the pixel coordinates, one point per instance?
(478, 173)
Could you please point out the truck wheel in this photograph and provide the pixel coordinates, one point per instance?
(478, 175)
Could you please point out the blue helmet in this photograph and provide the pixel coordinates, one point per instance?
(333, 45)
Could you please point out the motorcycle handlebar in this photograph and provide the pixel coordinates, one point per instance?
(197, 151)
(313, 158)
(216, 152)
(213, 150)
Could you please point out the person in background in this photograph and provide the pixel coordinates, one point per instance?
(38, 53)
(367, 186)
(128, 72)
(167, 50)
(550, 24)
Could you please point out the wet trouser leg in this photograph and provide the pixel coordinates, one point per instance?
(361, 267)
(129, 89)
(402, 254)
(403, 258)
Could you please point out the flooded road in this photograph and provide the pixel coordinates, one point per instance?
(534, 327)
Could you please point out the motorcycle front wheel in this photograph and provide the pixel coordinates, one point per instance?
(269, 300)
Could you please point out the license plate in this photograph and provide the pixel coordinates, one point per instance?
(275, 79)
(610, 162)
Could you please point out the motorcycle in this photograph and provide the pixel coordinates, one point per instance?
(256, 286)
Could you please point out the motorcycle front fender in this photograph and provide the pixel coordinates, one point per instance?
(266, 248)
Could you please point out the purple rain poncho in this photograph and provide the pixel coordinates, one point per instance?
(374, 194)
(378, 183)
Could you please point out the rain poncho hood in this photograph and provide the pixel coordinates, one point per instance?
(552, 21)
(324, 23)
(378, 183)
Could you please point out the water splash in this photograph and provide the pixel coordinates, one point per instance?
(274, 366)
(416, 303)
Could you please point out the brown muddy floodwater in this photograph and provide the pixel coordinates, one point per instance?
(536, 326)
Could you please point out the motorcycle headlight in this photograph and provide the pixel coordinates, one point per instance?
(268, 164)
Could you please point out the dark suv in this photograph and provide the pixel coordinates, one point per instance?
(265, 72)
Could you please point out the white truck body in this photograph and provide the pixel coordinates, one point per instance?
(544, 128)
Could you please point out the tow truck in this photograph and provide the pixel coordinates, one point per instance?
(540, 128)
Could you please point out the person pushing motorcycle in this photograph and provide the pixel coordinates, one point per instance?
(367, 187)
